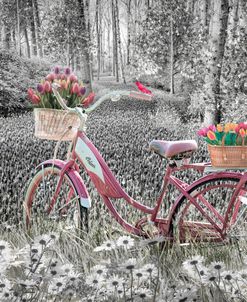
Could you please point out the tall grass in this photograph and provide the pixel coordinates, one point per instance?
(102, 265)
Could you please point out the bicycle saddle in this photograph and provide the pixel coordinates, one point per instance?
(170, 149)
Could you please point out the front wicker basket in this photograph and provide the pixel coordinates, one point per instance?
(53, 124)
(228, 156)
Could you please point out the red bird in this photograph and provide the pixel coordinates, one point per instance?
(142, 88)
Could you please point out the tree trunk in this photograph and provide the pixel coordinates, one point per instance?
(115, 41)
(232, 21)
(38, 27)
(203, 12)
(32, 27)
(243, 14)
(27, 43)
(119, 42)
(98, 37)
(88, 26)
(85, 41)
(216, 43)
(18, 28)
(171, 58)
(128, 30)
(7, 37)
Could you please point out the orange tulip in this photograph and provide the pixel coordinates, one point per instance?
(64, 84)
(211, 135)
(219, 128)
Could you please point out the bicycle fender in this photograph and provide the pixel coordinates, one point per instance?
(85, 199)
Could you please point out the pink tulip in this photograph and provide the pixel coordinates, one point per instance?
(47, 86)
(242, 132)
(30, 93)
(243, 125)
(212, 128)
(203, 132)
(75, 88)
(238, 128)
(63, 77)
(88, 100)
(35, 99)
(50, 77)
(72, 78)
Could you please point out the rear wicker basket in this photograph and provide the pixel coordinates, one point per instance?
(53, 124)
(228, 156)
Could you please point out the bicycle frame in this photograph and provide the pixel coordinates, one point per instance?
(108, 187)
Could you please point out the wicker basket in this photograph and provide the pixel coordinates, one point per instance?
(53, 124)
(228, 156)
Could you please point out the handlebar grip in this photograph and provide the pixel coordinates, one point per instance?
(141, 96)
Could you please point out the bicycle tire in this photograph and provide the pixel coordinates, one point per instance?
(79, 219)
(184, 229)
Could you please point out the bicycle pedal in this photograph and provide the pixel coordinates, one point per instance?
(154, 240)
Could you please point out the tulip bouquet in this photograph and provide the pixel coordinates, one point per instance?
(72, 91)
(230, 134)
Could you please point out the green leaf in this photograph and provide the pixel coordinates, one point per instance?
(219, 135)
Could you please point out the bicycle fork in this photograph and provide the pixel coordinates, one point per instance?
(58, 186)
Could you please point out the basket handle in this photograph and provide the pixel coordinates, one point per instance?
(223, 149)
(224, 152)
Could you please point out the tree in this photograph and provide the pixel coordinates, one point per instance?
(84, 39)
(216, 48)
(32, 26)
(164, 36)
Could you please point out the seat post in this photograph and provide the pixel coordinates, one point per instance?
(165, 183)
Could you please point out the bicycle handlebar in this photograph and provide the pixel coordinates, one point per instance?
(113, 96)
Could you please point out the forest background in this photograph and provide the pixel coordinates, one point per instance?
(194, 48)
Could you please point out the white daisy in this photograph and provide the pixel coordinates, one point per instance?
(55, 268)
(217, 266)
(5, 251)
(66, 269)
(35, 249)
(129, 264)
(95, 280)
(141, 275)
(228, 276)
(42, 240)
(106, 246)
(5, 285)
(57, 285)
(144, 293)
(193, 262)
(99, 269)
(151, 269)
(114, 282)
(210, 278)
(109, 245)
(125, 241)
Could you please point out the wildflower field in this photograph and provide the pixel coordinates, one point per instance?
(107, 264)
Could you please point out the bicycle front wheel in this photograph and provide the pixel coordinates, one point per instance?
(45, 212)
(215, 217)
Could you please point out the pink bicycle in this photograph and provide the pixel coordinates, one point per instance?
(212, 208)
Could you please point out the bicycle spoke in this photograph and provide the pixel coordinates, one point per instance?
(47, 203)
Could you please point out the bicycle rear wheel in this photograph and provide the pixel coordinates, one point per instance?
(65, 213)
(213, 196)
